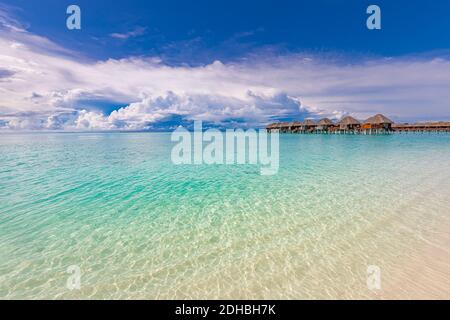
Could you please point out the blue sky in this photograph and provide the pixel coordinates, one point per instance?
(226, 62)
(202, 31)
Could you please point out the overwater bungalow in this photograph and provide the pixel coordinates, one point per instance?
(284, 127)
(273, 126)
(373, 125)
(324, 124)
(377, 124)
(309, 125)
(296, 127)
(349, 124)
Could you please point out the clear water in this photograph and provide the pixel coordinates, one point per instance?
(139, 227)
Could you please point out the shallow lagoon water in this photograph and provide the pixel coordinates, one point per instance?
(138, 226)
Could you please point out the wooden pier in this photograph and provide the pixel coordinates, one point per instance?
(378, 124)
(436, 127)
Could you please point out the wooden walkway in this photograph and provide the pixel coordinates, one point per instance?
(435, 127)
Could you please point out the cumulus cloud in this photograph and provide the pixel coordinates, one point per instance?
(216, 109)
(45, 86)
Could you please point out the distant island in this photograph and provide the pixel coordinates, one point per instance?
(377, 124)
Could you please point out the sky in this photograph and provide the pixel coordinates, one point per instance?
(154, 65)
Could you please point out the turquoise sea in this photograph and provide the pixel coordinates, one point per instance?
(137, 226)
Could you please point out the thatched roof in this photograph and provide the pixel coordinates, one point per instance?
(348, 120)
(309, 122)
(272, 126)
(325, 122)
(378, 119)
(296, 124)
(284, 124)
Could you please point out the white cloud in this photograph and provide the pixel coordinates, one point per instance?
(43, 85)
(254, 109)
(138, 31)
